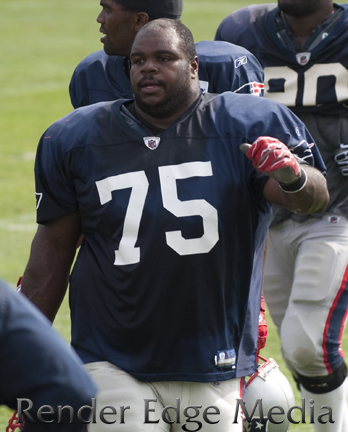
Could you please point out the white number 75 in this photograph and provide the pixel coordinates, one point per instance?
(127, 253)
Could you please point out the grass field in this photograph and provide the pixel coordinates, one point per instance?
(41, 43)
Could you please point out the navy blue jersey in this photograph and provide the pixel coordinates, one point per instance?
(313, 79)
(167, 282)
(312, 82)
(37, 364)
(222, 67)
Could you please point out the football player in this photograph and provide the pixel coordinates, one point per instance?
(104, 75)
(303, 47)
(165, 292)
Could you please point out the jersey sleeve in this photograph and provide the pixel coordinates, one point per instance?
(55, 191)
(76, 89)
(89, 83)
(228, 67)
(280, 122)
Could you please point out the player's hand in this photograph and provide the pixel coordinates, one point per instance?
(272, 158)
(263, 331)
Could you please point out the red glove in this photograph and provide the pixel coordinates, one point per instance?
(273, 158)
(261, 341)
(13, 423)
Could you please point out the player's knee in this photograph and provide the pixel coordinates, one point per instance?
(298, 345)
(324, 384)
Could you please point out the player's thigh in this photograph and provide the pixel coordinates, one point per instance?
(120, 401)
(208, 407)
(316, 315)
(321, 262)
(279, 269)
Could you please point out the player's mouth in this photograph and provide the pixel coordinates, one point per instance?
(149, 85)
(102, 39)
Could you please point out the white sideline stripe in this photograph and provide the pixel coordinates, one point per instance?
(23, 223)
(32, 90)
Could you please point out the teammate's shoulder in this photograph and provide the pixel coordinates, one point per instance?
(217, 49)
(95, 57)
(251, 13)
(240, 20)
(343, 5)
(98, 58)
(247, 103)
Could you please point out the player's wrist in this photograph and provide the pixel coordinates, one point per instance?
(296, 185)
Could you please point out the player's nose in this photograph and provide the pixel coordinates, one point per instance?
(149, 65)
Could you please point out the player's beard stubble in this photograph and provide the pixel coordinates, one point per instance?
(175, 98)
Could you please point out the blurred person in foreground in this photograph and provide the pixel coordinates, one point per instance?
(38, 367)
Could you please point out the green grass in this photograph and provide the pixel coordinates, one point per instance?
(41, 42)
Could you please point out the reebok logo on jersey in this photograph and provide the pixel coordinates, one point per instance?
(240, 61)
(226, 358)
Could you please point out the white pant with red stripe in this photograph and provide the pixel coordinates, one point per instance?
(306, 291)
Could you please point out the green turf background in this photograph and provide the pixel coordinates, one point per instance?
(41, 42)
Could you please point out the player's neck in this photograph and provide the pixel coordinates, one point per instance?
(164, 122)
(302, 28)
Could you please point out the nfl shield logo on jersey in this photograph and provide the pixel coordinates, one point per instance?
(152, 142)
(303, 58)
(255, 426)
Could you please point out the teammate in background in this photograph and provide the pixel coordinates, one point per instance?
(303, 47)
(37, 364)
(104, 75)
(165, 291)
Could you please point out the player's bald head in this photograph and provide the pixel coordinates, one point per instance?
(185, 37)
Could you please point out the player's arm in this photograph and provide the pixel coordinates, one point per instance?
(297, 187)
(45, 278)
(312, 198)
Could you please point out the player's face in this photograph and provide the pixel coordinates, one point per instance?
(117, 25)
(164, 81)
(300, 8)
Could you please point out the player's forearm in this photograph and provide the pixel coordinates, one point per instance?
(313, 198)
(45, 288)
(46, 276)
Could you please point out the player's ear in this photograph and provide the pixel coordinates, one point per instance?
(142, 18)
(194, 67)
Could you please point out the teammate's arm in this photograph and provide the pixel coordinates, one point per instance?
(297, 187)
(45, 279)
